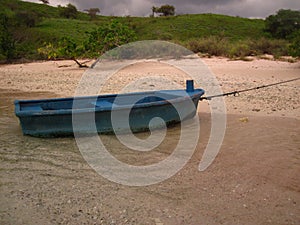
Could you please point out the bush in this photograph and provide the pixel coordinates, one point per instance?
(104, 38)
(48, 51)
(212, 45)
(66, 48)
(221, 47)
(109, 36)
(240, 49)
(294, 48)
(261, 46)
(269, 46)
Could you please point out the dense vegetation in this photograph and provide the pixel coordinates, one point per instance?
(39, 31)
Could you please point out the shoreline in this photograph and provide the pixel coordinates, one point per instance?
(288, 59)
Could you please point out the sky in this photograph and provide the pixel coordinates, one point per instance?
(242, 8)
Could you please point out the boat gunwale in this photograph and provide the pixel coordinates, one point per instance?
(189, 95)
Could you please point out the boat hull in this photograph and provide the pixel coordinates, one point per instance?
(102, 119)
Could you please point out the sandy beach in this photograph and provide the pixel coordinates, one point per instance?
(61, 78)
(254, 179)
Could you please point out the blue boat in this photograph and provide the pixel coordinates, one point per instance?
(106, 114)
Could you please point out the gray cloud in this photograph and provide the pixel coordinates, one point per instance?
(243, 8)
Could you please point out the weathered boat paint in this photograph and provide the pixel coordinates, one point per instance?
(53, 117)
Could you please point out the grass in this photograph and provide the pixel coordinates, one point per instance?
(207, 33)
(185, 27)
(53, 29)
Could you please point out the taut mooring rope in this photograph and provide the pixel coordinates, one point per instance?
(235, 93)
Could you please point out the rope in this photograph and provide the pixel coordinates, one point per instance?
(236, 93)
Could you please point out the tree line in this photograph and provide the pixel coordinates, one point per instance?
(70, 11)
(164, 10)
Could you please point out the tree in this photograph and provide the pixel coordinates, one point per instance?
(7, 42)
(154, 10)
(92, 12)
(44, 1)
(283, 24)
(166, 10)
(69, 12)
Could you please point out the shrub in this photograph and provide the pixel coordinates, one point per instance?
(48, 51)
(294, 48)
(261, 46)
(270, 46)
(212, 45)
(66, 48)
(104, 38)
(240, 49)
(109, 36)
(221, 47)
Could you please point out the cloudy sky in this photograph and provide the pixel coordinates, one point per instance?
(243, 8)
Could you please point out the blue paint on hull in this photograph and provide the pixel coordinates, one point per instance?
(55, 117)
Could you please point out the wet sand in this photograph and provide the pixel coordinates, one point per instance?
(254, 179)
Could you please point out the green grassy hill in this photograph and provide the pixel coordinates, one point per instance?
(185, 27)
(204, 32)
